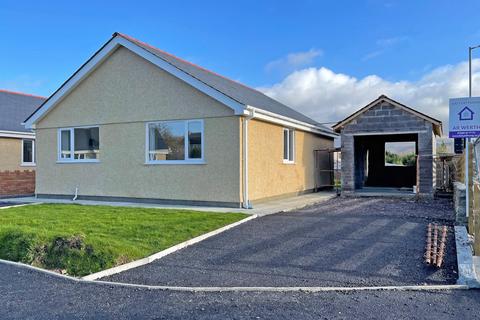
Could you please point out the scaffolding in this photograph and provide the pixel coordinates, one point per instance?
(328, 169)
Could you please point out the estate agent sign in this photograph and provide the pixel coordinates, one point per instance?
(464, 118)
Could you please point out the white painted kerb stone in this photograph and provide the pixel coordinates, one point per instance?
(466, 270)
(161, 254)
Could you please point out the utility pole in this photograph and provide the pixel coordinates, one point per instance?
(467, 147)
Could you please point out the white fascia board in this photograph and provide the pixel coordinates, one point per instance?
(17, 134)
(289, 122)
(72, 83)
(99, 57)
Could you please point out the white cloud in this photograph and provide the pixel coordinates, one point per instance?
(293, 61)
(382, 45)
(388, 42)
(327, 96)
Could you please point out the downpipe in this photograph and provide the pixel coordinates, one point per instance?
(246, 201)
(76, 194)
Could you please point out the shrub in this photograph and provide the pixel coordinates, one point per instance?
(74, 256)
(17, 246)
(69, 254)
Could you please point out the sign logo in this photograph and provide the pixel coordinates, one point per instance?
(462, 120)
(465, 114)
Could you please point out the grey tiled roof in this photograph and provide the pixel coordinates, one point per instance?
(16, 107)
(230, 88)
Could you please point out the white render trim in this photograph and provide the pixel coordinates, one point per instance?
(187, 160)
(17, 134)
(28, 164)
(105, 52)
(289, 122)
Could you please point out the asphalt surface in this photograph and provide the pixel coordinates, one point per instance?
(341, 242)
(28, 294)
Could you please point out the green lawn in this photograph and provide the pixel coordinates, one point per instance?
(85, 239)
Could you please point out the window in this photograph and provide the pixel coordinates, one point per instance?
(28, 152)
(175, 142)
(288, 145)
(400, 154)
(78, 144)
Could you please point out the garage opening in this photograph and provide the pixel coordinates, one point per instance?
(387, 161)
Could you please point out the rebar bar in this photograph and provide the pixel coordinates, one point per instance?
(435, 240)
(428, 253)
(441, 251)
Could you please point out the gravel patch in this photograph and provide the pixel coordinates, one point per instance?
(341, 242)
(28, 294)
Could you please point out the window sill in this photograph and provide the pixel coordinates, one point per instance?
(288, 162)
(79, 161)
(28, 164)
(169, 162)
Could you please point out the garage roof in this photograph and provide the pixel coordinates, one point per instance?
(437, 124)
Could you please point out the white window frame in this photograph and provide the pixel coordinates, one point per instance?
(288, 130)
(72, 145)
(186, 160)
(28, 164)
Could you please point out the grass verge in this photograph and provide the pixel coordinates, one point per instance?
(79, 240)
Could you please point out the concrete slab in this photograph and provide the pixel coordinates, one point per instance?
(270, 207)
(382, 192)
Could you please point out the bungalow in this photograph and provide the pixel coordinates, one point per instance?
(17, 144)
(135, 123)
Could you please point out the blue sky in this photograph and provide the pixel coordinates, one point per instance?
(261, 43)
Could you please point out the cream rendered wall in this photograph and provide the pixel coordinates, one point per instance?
(269, 177)
(11, 155)
(120, 96)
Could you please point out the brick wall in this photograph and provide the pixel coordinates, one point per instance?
(13, 183)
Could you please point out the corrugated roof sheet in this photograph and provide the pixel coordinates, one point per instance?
(15, 107)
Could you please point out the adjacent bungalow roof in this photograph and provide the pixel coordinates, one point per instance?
(14, 108)
(437, 124)
(239, 97)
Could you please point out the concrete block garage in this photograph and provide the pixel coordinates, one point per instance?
(366, 137)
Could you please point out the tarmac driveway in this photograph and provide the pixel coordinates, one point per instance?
(341, 242)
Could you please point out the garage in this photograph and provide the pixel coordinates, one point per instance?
(388, 146)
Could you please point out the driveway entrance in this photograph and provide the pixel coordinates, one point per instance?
(341, 242)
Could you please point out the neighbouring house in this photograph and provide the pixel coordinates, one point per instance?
(17, 144)
(366, 135)
(135, 123)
